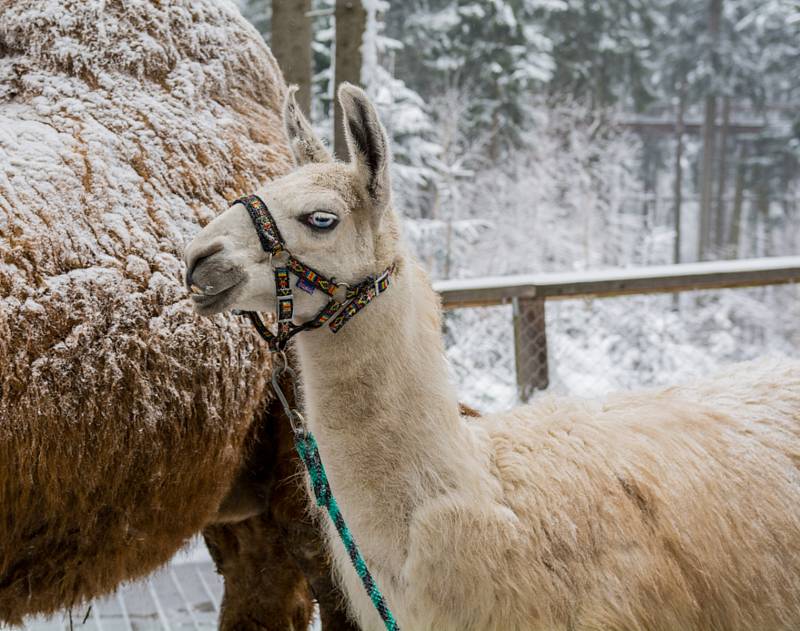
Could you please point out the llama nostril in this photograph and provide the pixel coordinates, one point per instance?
(212, 272)
(195, 260)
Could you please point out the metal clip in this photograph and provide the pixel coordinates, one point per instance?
(296, 419)
(341, 291)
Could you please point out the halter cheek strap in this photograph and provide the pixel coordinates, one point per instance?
(345, 300)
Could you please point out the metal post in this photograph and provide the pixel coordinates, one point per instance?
(530, 346)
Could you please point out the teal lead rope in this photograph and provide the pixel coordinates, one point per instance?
(306, 446)
(307, 449)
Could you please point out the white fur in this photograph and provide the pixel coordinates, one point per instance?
(675, 509)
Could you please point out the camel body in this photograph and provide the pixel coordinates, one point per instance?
(654, 511)
(124, 419)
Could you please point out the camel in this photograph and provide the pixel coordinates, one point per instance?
(127, 426)
(658, 510)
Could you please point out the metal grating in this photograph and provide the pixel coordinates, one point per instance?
(181, 596)
(185, 595)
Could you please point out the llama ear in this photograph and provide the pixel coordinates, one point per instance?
(367, 142)
(306, 147)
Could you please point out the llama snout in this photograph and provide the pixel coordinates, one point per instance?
(212, 277)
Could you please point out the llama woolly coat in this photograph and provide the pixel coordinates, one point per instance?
(123, 126)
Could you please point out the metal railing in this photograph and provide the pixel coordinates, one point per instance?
(529, 293)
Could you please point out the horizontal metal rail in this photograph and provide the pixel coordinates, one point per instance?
(489, 291)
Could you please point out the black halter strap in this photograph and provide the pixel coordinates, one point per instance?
(345, 300)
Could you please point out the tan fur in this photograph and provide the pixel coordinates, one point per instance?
(663, 510)
(123, 417)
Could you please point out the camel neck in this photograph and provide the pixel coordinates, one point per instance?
(378, 400)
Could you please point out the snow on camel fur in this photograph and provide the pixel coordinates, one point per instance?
(657, 510)
(123, 419)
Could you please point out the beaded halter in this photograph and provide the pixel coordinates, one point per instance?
(345, 300)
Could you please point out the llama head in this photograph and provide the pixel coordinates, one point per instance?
(335, 217)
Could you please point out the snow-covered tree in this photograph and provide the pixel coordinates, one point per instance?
(404, 114)
(493, 51)
(258, 13)
(601, 49)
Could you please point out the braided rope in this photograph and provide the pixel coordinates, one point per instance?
(306, 446)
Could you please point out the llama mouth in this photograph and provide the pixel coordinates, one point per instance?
(211, 304)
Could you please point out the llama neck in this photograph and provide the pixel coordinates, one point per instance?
(386, 419)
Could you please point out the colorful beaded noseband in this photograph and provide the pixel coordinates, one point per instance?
(346, 301)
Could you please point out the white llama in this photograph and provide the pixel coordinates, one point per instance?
(666, 510)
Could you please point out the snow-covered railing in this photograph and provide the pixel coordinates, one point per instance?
(528, 293)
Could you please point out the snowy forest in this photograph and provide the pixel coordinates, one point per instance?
(606, 197)
(554, 135)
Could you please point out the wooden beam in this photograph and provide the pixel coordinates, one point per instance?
(666, 127)
(617, 282)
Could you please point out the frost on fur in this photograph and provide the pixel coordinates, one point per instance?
(124, 127)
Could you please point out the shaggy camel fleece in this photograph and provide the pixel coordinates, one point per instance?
(664, 510)
(123, 125)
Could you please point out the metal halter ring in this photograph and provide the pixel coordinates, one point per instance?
(342, 289)
(279, 259)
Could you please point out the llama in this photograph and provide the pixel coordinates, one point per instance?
(659, 510)
(127, 426)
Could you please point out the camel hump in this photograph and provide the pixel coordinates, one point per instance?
(124, 129)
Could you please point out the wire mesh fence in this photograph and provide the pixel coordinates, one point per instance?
(589, 347)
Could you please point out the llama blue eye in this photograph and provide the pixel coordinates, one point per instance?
(321, 220)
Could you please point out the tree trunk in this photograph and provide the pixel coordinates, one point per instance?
(291, 45)
(734, 233)
(762, 202)
(677, 191)
(719, 232)
(709, 138)
(707, 177)
(351, 21)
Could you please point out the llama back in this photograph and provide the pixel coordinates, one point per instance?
(125, 126)
(677, 508)
(763, 394)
